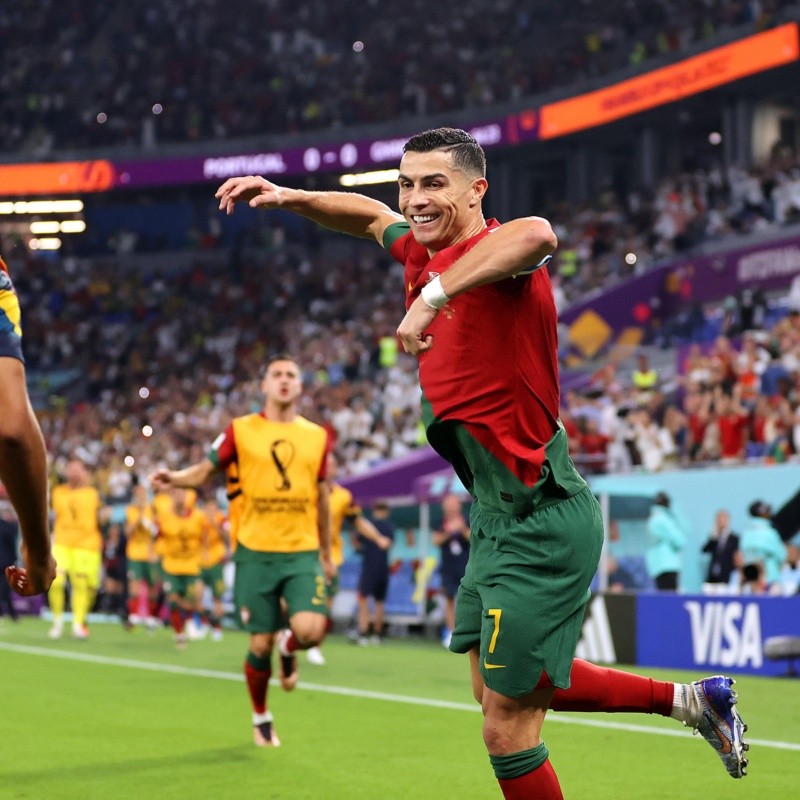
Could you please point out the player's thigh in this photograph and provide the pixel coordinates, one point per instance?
(256, 595)
(63, 556)
(214, 578)
(86, 564)
(534, 584)
(303, 586)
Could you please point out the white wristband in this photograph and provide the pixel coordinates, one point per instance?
(433, 294)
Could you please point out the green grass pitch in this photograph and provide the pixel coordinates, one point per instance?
(124, 715)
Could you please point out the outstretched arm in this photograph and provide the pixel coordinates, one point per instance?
(347, 212)
(515, 247)
(23, 471)
(189, 478)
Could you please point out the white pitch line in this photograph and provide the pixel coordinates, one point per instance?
(361, 693)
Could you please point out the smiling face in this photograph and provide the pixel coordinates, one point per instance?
(441, 202)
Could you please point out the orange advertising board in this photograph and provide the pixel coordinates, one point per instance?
(756, 53)
(63, 177)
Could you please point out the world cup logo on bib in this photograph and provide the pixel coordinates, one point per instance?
(282, 454)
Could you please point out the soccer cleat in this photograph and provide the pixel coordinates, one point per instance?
(720, 725)
(314, 656)
(57, 629)
(264, 735)
(288, 662)
(79, 631)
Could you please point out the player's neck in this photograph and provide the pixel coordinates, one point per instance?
(280, 412)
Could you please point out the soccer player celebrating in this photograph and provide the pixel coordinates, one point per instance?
(283, 534)
(182, 531)
(78, 514)
(213, 558)
(23, 459)
(140, 530)
(482, 320)
(343, 508)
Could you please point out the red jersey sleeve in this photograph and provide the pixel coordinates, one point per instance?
(323, 467)
(223, 450)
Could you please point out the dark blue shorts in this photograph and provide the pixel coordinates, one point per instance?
(450, 581)
(373, 583)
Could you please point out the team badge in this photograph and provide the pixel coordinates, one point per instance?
(244, 615)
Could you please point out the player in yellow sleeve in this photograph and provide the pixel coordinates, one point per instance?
(212, 561)
(284, 548)
(77, 546)
(182, 531)
(343, 509)
(140, 530)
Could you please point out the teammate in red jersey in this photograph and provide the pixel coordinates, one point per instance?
(481, 317)
(23, 460)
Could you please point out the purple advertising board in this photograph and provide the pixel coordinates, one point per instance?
(336, 156)
(767, 266)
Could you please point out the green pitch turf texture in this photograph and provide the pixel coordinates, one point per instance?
(125, 715)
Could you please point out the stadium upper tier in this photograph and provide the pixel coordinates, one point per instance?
(76, 75)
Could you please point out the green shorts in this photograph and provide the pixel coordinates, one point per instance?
(214, 578)
(522, 598)
(185, 586)
(142, 571)
(262, 579)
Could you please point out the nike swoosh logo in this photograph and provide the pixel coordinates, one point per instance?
(487, 665)
(316, 602)
(726, 745)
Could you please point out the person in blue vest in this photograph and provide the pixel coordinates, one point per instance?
(762, 544)
(668, 538)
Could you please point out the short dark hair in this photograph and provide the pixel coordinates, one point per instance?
(282, 357)
(467, 153)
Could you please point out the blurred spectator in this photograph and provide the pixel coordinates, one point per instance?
(790, 572)
(668, 539)
(452, 537)
(723, 546)
(762, 545)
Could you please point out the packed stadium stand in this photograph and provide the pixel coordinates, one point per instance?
(219, 70)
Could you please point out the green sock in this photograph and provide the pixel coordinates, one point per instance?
(261, 664)
(515, 764)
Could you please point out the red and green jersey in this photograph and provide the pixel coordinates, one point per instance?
(490, 382)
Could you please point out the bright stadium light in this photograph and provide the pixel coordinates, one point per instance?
(147, 431)
(73, 226)
(42, 207)
(129, 461)
(45, 244)
(630, 259)
(46, 226)
(715, 138)
(144, 393)
(370, 178)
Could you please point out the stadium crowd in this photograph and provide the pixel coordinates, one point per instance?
(181, 350)
(105, 74)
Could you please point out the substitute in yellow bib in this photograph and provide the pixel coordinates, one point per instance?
(77, 545)
(284, 549)
(343, 509)
(182, 531)
(143, 572)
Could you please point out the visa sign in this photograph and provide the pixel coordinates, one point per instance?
(725, 633)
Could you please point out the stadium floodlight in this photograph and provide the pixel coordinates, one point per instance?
(45, 226)
(370, 178)
(52, 243)
(42, 207)
(72, 226)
